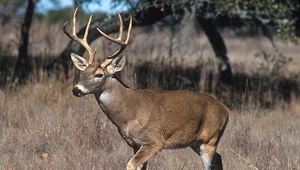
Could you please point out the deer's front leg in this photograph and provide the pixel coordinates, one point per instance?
(145, 153)
(135, 147)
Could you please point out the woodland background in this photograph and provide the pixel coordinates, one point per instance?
(246, 53)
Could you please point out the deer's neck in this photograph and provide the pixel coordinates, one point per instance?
(113, 100)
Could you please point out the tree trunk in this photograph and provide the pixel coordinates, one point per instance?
(141, 18)
(219, 48)
(23, 67)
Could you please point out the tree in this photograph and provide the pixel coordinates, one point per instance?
(23, 67)
(8, 8)
(267, 15)
(219, 48)
(277, 15)
(147, 15)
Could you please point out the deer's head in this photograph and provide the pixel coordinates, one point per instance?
(93, 74)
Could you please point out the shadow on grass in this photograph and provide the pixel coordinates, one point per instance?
(262, 90)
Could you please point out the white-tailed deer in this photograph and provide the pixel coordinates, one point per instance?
(150, 120)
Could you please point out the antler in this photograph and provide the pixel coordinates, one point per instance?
(82, 41)
(118, 41)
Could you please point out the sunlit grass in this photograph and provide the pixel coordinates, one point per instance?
(43, 126)
(41, 119)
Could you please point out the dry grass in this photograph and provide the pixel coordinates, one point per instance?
(44, 127)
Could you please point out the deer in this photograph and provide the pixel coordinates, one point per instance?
(149, 120)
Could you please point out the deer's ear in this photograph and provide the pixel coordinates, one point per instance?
(79, 62)
(117, 64)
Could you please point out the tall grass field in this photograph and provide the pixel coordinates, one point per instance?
(43, 126)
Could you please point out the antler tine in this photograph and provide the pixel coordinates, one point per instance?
(82, 41)
(129, 30)
(74, 21)
(121, 27)
(117, 40)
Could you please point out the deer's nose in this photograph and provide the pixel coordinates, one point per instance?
(77, 92)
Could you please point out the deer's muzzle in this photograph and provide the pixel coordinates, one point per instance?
(77, 92)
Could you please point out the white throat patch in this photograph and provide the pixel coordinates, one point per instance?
(104, 97)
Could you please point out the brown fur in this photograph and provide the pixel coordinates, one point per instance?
(151, 120)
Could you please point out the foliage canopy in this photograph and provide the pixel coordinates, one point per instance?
(277, 15)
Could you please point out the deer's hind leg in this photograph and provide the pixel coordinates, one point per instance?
(217, 161)
(211, 160)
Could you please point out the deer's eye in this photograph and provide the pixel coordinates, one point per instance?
(99, 75)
